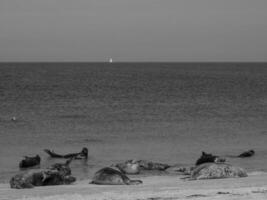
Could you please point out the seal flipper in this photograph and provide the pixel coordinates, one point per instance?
(44, 176)
(67, 163)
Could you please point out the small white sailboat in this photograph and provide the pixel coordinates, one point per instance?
(110, 60)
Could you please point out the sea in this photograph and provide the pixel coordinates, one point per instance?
(162, 112)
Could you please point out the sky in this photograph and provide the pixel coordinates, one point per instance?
(133, 30)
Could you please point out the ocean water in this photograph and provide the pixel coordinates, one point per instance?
(164, 112)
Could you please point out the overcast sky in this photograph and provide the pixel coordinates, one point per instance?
(133, 30)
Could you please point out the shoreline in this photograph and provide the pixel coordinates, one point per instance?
(153, 187)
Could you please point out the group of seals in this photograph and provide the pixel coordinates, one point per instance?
(58, 174)
(208, 166)
(29, 161)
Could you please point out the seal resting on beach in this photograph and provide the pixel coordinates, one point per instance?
(247, 154)
(129, 167)
(217, 170)
(209, 158)
(57, 174)
(110, 176)
(30, 161)
(143, 167)
(62, 168)
(81, 155)
(148, 165)
(41, 177)
(180, 170)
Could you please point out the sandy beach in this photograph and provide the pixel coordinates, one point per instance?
(154, 187)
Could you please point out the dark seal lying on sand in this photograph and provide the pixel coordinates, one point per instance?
(81, 155)
(110, 176)
(30, 161)
(209, 158)
(248, 153)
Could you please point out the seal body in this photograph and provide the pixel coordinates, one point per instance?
(142, 167)
(247, 154)
(62, 168)
(209, 158)
(30, 161)
(217, 170)
(39, 178)
(148, 165)
(110, 176)
(81, 155)
(57, 174)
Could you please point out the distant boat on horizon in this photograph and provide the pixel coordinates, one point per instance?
(110, 60)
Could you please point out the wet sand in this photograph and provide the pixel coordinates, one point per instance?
(153, 188)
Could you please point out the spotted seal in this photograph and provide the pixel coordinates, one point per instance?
(217, 170)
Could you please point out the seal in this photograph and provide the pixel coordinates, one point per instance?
(248, 153)
(81, 155)
(30, 161)
(148, 165)
(142, 167)
(110, 176)
(209, 158)
(129, 167)
(57, 174)
(41, 177)
(62, 168)
(217, 170)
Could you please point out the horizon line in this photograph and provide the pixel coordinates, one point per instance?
(114, 62)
